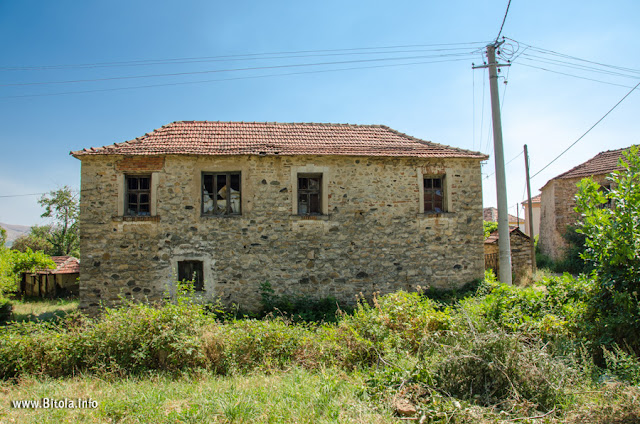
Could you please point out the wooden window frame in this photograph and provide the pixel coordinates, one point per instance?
(429, 193)
(196, 275)
(228, 209)
(128, 210)
(307, 192)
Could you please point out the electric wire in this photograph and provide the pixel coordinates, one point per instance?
(503, 21)
(297, 65)
(248, 56)
(587, 132)
(574, 76)
(226, 79)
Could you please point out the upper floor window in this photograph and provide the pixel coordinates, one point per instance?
(221, 193)
(138, 195)
(309, 194)
(434, 196)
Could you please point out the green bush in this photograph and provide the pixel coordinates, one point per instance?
(299, 308)
(5, 309)
(612, 237)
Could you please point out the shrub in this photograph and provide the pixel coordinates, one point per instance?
(613, 248)
(494, 367)
(298, 308)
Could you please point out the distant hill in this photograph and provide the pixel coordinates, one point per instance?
(14, 231)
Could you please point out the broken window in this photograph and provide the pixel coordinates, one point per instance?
(138, 196)
(221, 193)
(309, 194)
(434, 195)
(605, 189)
(192, 271)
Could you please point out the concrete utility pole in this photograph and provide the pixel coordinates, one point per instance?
(530, 210)
(504, 242)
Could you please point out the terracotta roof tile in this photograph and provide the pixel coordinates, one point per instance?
(491, 214)
(602, 163)
(64, 265)
(494, 237)
(534, 199)
(272, 138)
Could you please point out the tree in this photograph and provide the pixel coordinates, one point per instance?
(3, 237)
(62, 206)
(612, 240)
(37, 240)
(13, 263)
(489, 227)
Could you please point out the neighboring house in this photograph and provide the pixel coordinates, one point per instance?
(61, 281)
(314, 209)
(491, 214)
(558, 200)
(535, 208)
(521, 260)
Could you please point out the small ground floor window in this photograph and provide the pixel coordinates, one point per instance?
(192, 271)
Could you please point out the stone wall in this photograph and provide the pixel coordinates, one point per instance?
(372, 238)
(557, 214)
(521, 260)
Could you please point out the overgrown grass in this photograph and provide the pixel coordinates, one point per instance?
(499, 353)
(294, 396)
(39, 309)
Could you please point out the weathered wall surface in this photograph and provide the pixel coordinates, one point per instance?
(557, 214)
(521, 260)
(373, 238)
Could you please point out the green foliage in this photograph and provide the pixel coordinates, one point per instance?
(3, 237)
(298, 308)
(37, 239)
(12, 263)
(62, 205)
(612, 237)
(623, 365)
(489, 227)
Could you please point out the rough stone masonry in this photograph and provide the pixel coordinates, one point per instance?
(373, 234)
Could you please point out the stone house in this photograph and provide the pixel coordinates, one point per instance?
(521, 260)
(61, 281)
(535, 209)
(557, 200)
(491, 214)
(315, 209)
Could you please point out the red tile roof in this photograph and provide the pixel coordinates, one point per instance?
(534, 199)
(491, 215)
(494, 237)
(272, 138)
(602, 163)
(64, 265)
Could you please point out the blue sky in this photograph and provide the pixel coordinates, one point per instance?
(441, 102)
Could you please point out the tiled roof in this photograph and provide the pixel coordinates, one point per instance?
(494, 237)
(534, 199)
(602, 163)
(271, 138)
(491, 215)
(64, 265)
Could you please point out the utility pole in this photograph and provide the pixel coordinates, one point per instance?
(530, 210)
(504, 240)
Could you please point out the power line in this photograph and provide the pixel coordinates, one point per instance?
(573, 75)
(503, 20)
(514, 158)
(23, 195)
(226, 79)
(298, 65)
(588, 131)
(247, 56)
(587, 68)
